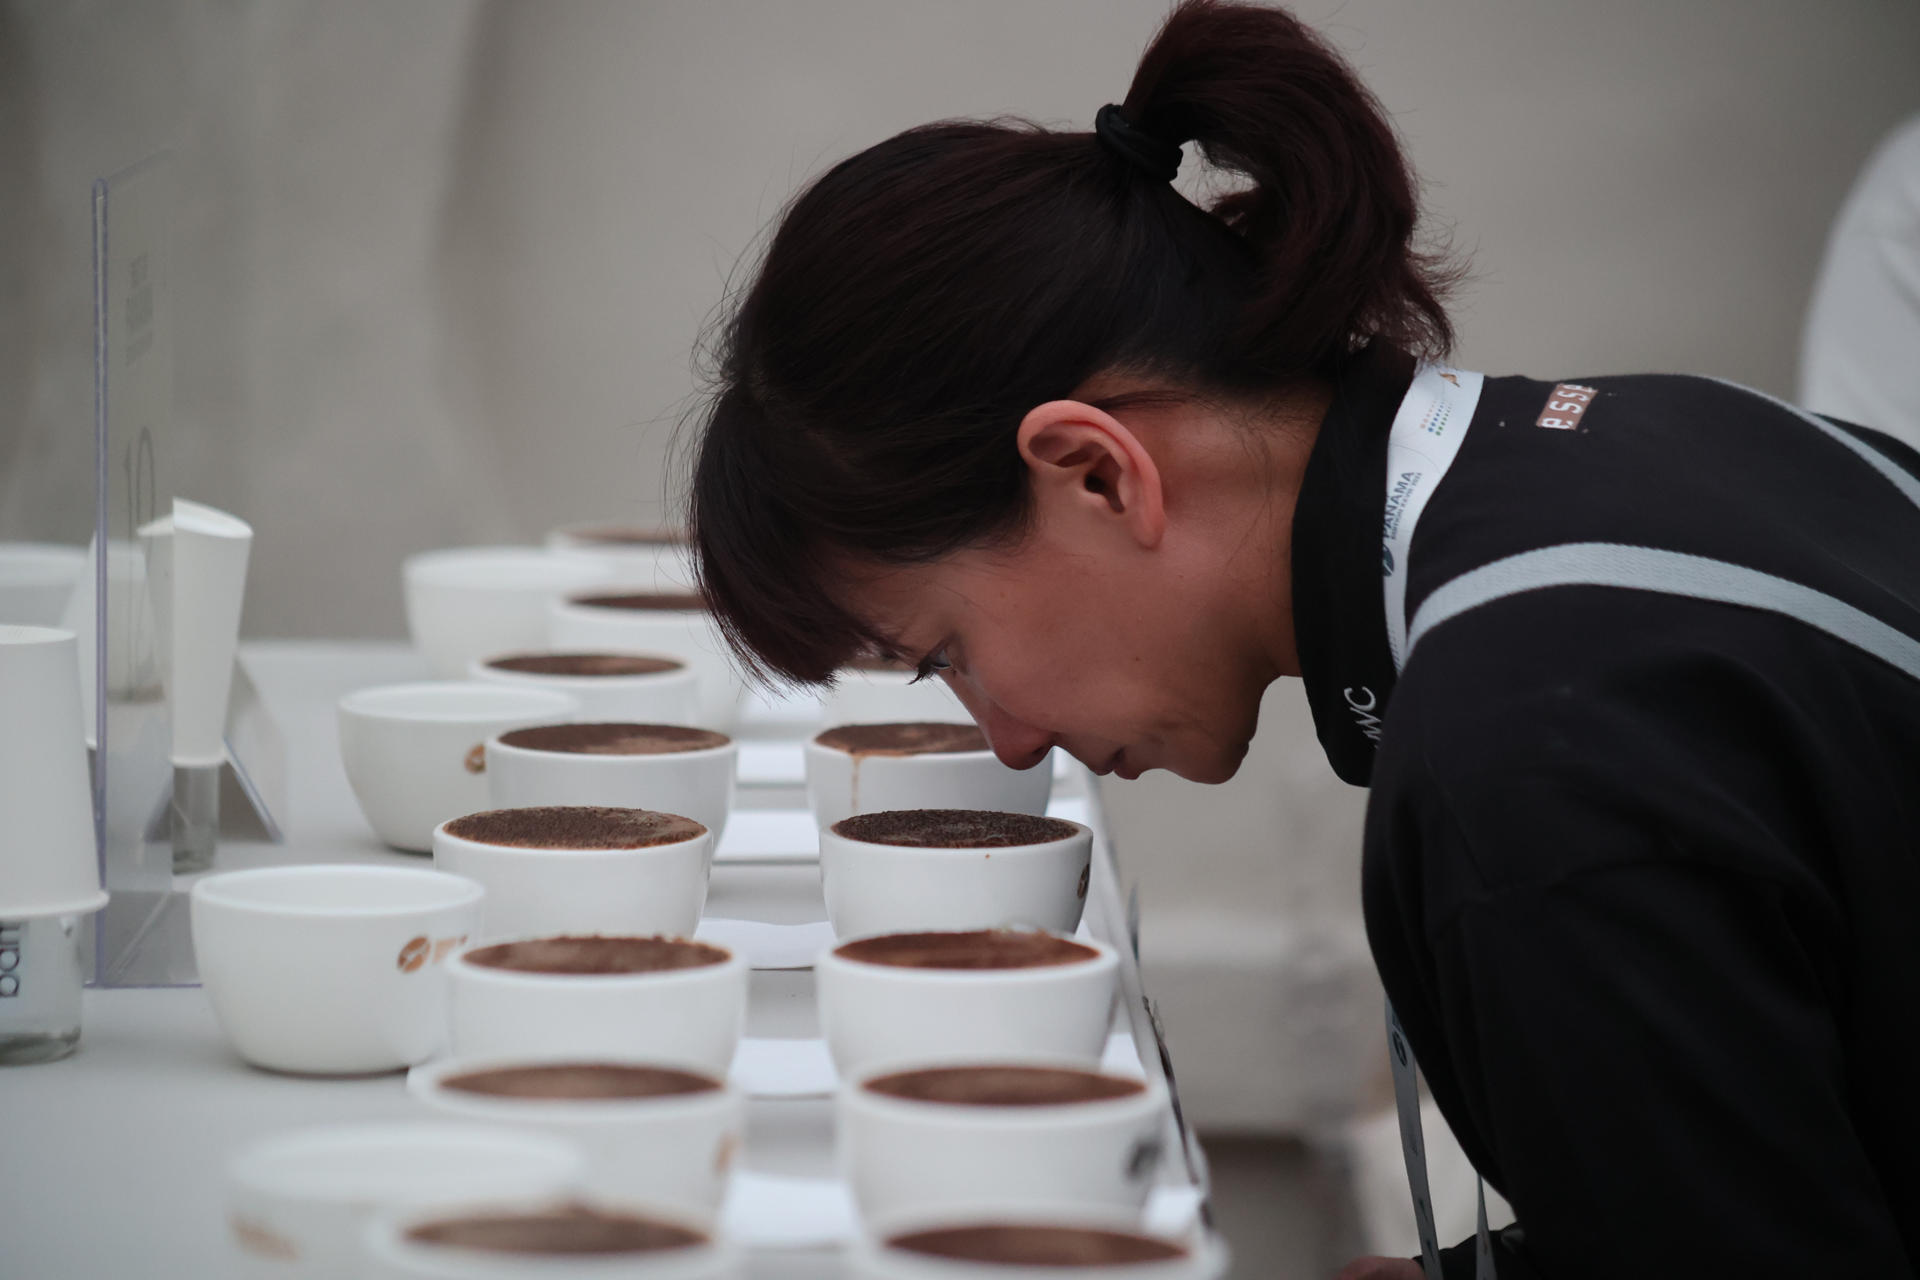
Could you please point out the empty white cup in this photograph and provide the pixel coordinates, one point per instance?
(909, 1155)
(681, 1017)
(580, 764)
(602, 881)
(874, 1255)
(51, 866)
(875, 887)
(473, 602)
(842, 783)
(37, 579)
(331, 969)
(677, 625)
(878, 1014)
(298, 1203)
(391, 1254)
(654, 697)
(416, 754)
(671, 1149)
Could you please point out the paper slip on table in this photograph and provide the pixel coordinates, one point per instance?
(113, 1162)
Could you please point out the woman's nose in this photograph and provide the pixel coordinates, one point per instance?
(1018, 744)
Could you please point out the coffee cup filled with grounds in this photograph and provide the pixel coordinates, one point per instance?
(665, 1000)
(673, 767)
(1013, 1241)
(555, 1240)
(865, 768)
(964, 995)
(650, 1132)
(895, 870)
(966, 1135)
(584, 868)
(608, 686)
(647, 557)
(676, 624)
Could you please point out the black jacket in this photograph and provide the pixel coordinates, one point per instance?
(1642, 872)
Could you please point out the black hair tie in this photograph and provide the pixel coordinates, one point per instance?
(1135, 145)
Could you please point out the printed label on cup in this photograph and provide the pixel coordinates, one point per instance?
(422, 950)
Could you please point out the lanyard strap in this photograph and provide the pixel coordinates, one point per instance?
(1426, 437)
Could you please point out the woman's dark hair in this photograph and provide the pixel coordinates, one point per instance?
(919, 298)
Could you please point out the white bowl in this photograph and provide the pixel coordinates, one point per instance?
(334, 969)
(391, 1256)
(415, 754)
(675, 1150)
(871, 1258)
(298, 1203)
(687, 634)
(873, 1015)
(37, 580)
(889, 888)
(681, 1017)
(698, 784)
(841, 784)
(535, 891)
(660, 697)
(473, 602)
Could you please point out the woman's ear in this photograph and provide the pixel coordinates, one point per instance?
(1083, 460)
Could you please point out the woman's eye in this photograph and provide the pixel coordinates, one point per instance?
(933, 664)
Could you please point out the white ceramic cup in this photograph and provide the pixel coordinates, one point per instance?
(673, 1149)
(903, 1155)
(698, 783)
(876, 1014)
(415, 754)
(881, 695)
(473, 602)
(390, 1255)
(687, 633)
(331, 969)
(655, 559)
(874, 887)
(534, 890)
(872, 1257)
(654, 697)
(841, 784)
(37, 579)
(298, 1203)
(681, 1017)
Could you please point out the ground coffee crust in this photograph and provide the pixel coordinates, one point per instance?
(968, 949)
(954, 828)
(615, 739)
(598, 954)
(1037, 1245)
(575, 827)
(904, 738)
(568, 1229)
(996, 1085)
(574, 1081)
(585, 664)
(681, 602)
(630, 536)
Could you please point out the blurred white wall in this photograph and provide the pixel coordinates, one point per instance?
(440, 266)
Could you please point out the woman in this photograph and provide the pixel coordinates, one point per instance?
(1640, 708)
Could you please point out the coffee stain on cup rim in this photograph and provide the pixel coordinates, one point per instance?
(477, 758)
(1086, 878)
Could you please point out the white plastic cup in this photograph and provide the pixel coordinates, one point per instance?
(862, 695)
(872, 887)
(331, 969)
(675, 1149)
(51, 864)
(209, 572)
(698, 783)
(687, 633)
(391, 1255)
(415, 754)
(873, 1257)
(298, 1203)
(681, 1017)
(874, 1015)
(659, 697)
(904, 1156)
(467, 603)
(841, 784)
(37, 580)
(533, 891)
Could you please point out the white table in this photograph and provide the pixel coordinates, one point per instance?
(112, 1161)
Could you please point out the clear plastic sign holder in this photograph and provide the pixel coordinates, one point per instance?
(142, 936)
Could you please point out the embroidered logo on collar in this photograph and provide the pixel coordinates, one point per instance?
(1565, 406)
